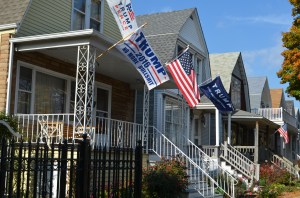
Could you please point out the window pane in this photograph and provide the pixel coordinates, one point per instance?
(95, 25)
(79, 5)
(49, 94)
(72, 99)
(24, 102)
(95, 9)
(102, 102)
(25, 81)
(78, 22)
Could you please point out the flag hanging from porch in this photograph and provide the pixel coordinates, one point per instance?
(124, 16)
(183, 73)
(217, 94)
(283, 133)
(138, 50)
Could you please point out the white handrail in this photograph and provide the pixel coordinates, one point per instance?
(199, 173)
(239, 161)
(282, 163)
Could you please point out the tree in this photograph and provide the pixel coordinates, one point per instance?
(290, 70)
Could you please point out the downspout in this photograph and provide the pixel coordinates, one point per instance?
(9, 78)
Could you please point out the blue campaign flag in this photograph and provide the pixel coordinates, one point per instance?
(216, 92)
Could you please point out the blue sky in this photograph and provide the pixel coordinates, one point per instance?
(252, 27)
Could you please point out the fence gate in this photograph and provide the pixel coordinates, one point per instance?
(69, 170)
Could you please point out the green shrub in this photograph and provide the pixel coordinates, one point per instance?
(12, 121)
(168, 178)
(272, 190)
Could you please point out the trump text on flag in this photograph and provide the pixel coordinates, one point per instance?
(139, 52)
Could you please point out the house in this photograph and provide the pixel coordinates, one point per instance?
(271, 104)
(169, 33)
(49, 65)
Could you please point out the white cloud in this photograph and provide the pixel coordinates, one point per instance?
(271, 19)
(268, 59)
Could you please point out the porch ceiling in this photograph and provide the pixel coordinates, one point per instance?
(64, 47)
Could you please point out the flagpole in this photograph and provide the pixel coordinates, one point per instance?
(120, 41)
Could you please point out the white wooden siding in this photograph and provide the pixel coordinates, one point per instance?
(190, 33)
(110, 27)
(46, 16)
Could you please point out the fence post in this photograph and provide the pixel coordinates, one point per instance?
(138, 170)
(63, 174)
(3, 167)
(82, 190)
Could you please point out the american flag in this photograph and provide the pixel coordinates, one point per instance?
(283, 132)
(183, 73)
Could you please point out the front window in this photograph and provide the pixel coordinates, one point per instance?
(87, 14)
(40, 93)
(173, 119)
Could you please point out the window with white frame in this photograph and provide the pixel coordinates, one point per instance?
(87, 14)
(42, 91)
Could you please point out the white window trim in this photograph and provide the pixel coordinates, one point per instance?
(88, 13)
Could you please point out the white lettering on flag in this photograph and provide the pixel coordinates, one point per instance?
(124, 16)
(139, 52)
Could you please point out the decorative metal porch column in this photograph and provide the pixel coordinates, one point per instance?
(84, 94)
(145, 117)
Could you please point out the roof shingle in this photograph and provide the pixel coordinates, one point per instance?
(12, 11)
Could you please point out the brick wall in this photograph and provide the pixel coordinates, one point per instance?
(4, 59)
(122, 96)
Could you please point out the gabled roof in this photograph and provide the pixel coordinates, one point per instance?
(162, 30)
(256, 87)
(276, 96)
(256, 84)
(12, 11)
(223, 65)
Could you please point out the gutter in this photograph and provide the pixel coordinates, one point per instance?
(8, 26)
(9, 78)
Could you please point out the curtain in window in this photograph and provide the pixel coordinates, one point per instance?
(50, 94)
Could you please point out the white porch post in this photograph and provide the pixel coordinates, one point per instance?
(84, 94)
(229, 129)
(256, 136)
(145, 117)
(217, 127)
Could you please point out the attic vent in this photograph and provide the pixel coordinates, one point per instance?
(191, 17)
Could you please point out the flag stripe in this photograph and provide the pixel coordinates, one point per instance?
(183, 82)
(283, 132)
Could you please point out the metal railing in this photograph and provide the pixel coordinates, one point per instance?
(201, 176)
(54, 128)
(276, 115)
(239, 161)
(69, 170)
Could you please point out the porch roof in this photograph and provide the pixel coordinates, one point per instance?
(250, 119)
(64, 45)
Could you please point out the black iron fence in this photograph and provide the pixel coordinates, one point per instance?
(69, 170)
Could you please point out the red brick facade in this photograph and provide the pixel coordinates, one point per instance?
(122, 105)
